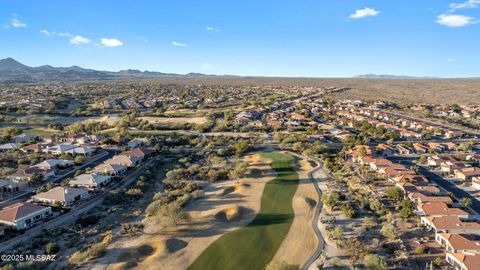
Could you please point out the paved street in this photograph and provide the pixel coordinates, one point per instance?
(439, 180)
(98, 159)
(76, 211)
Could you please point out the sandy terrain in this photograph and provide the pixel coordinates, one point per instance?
(300, 241)
(175, 120)
(227, 206)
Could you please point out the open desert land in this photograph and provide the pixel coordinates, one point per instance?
(226, 207)
(409, 90)
(301, 241)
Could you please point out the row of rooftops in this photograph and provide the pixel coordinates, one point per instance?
(459, 236)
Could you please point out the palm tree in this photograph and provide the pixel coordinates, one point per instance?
(465, 202)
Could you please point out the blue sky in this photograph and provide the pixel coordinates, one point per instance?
(313, 38)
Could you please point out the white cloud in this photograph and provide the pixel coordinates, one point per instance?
(49, 33)
(79, 40)
(53, 33)
(454, 20)
(467, 4)
(363, 13)
(212, 29)
(65, 34)
(110, 42)
(17, 23)
(451, 60)
(178, 44)
(46, 32)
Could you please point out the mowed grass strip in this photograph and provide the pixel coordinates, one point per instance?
(253, 246)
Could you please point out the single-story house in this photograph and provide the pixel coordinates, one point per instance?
(140, 152)
(28, 173)
(421, 198)
(81, 150)
(90, 180)
(468, 173)
(59, 149)
(476, 183)
(379, 163)
(462, 261)
(9, 146)
(22, 216)
(54, 164)
(137, 142)
(440, 209)
(110, 169)
(129, 161)
(10, 186)
(67, 196)
(459, 243)
(451, 224)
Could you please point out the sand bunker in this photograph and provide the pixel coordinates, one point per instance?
(238, 203)
(231, 214)
(173, 245)
(237, 188)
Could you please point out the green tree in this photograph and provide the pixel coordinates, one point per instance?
(422, 159)
(389, 231)
(362, 151)
(12, 131)
(36, 178)
(466, 202)
(438, 261)
(356, 249)
(374, 262)
(241, 147)
(394, 193)
(171, 214)
(407, 209)
(80, 160)
(239, 171)
(337, 233)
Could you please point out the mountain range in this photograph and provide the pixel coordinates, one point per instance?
(12, 71)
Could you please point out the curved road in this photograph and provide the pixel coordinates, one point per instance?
(321, 240)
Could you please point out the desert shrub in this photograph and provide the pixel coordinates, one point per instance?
(132, 228)
(52, 248)
(419, 250)
(183, 199)
(93, 251)
(87, 220)
(114, 199)
(389, 231)
(374, 262)
(134, 193)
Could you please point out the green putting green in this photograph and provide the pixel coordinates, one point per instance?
(253, 246)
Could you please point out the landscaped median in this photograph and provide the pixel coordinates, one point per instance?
(253, 246)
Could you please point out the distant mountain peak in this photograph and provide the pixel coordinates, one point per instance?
(388, 76)
(10, 63)
(13, 71)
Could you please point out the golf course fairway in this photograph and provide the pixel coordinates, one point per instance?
(253, 246)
